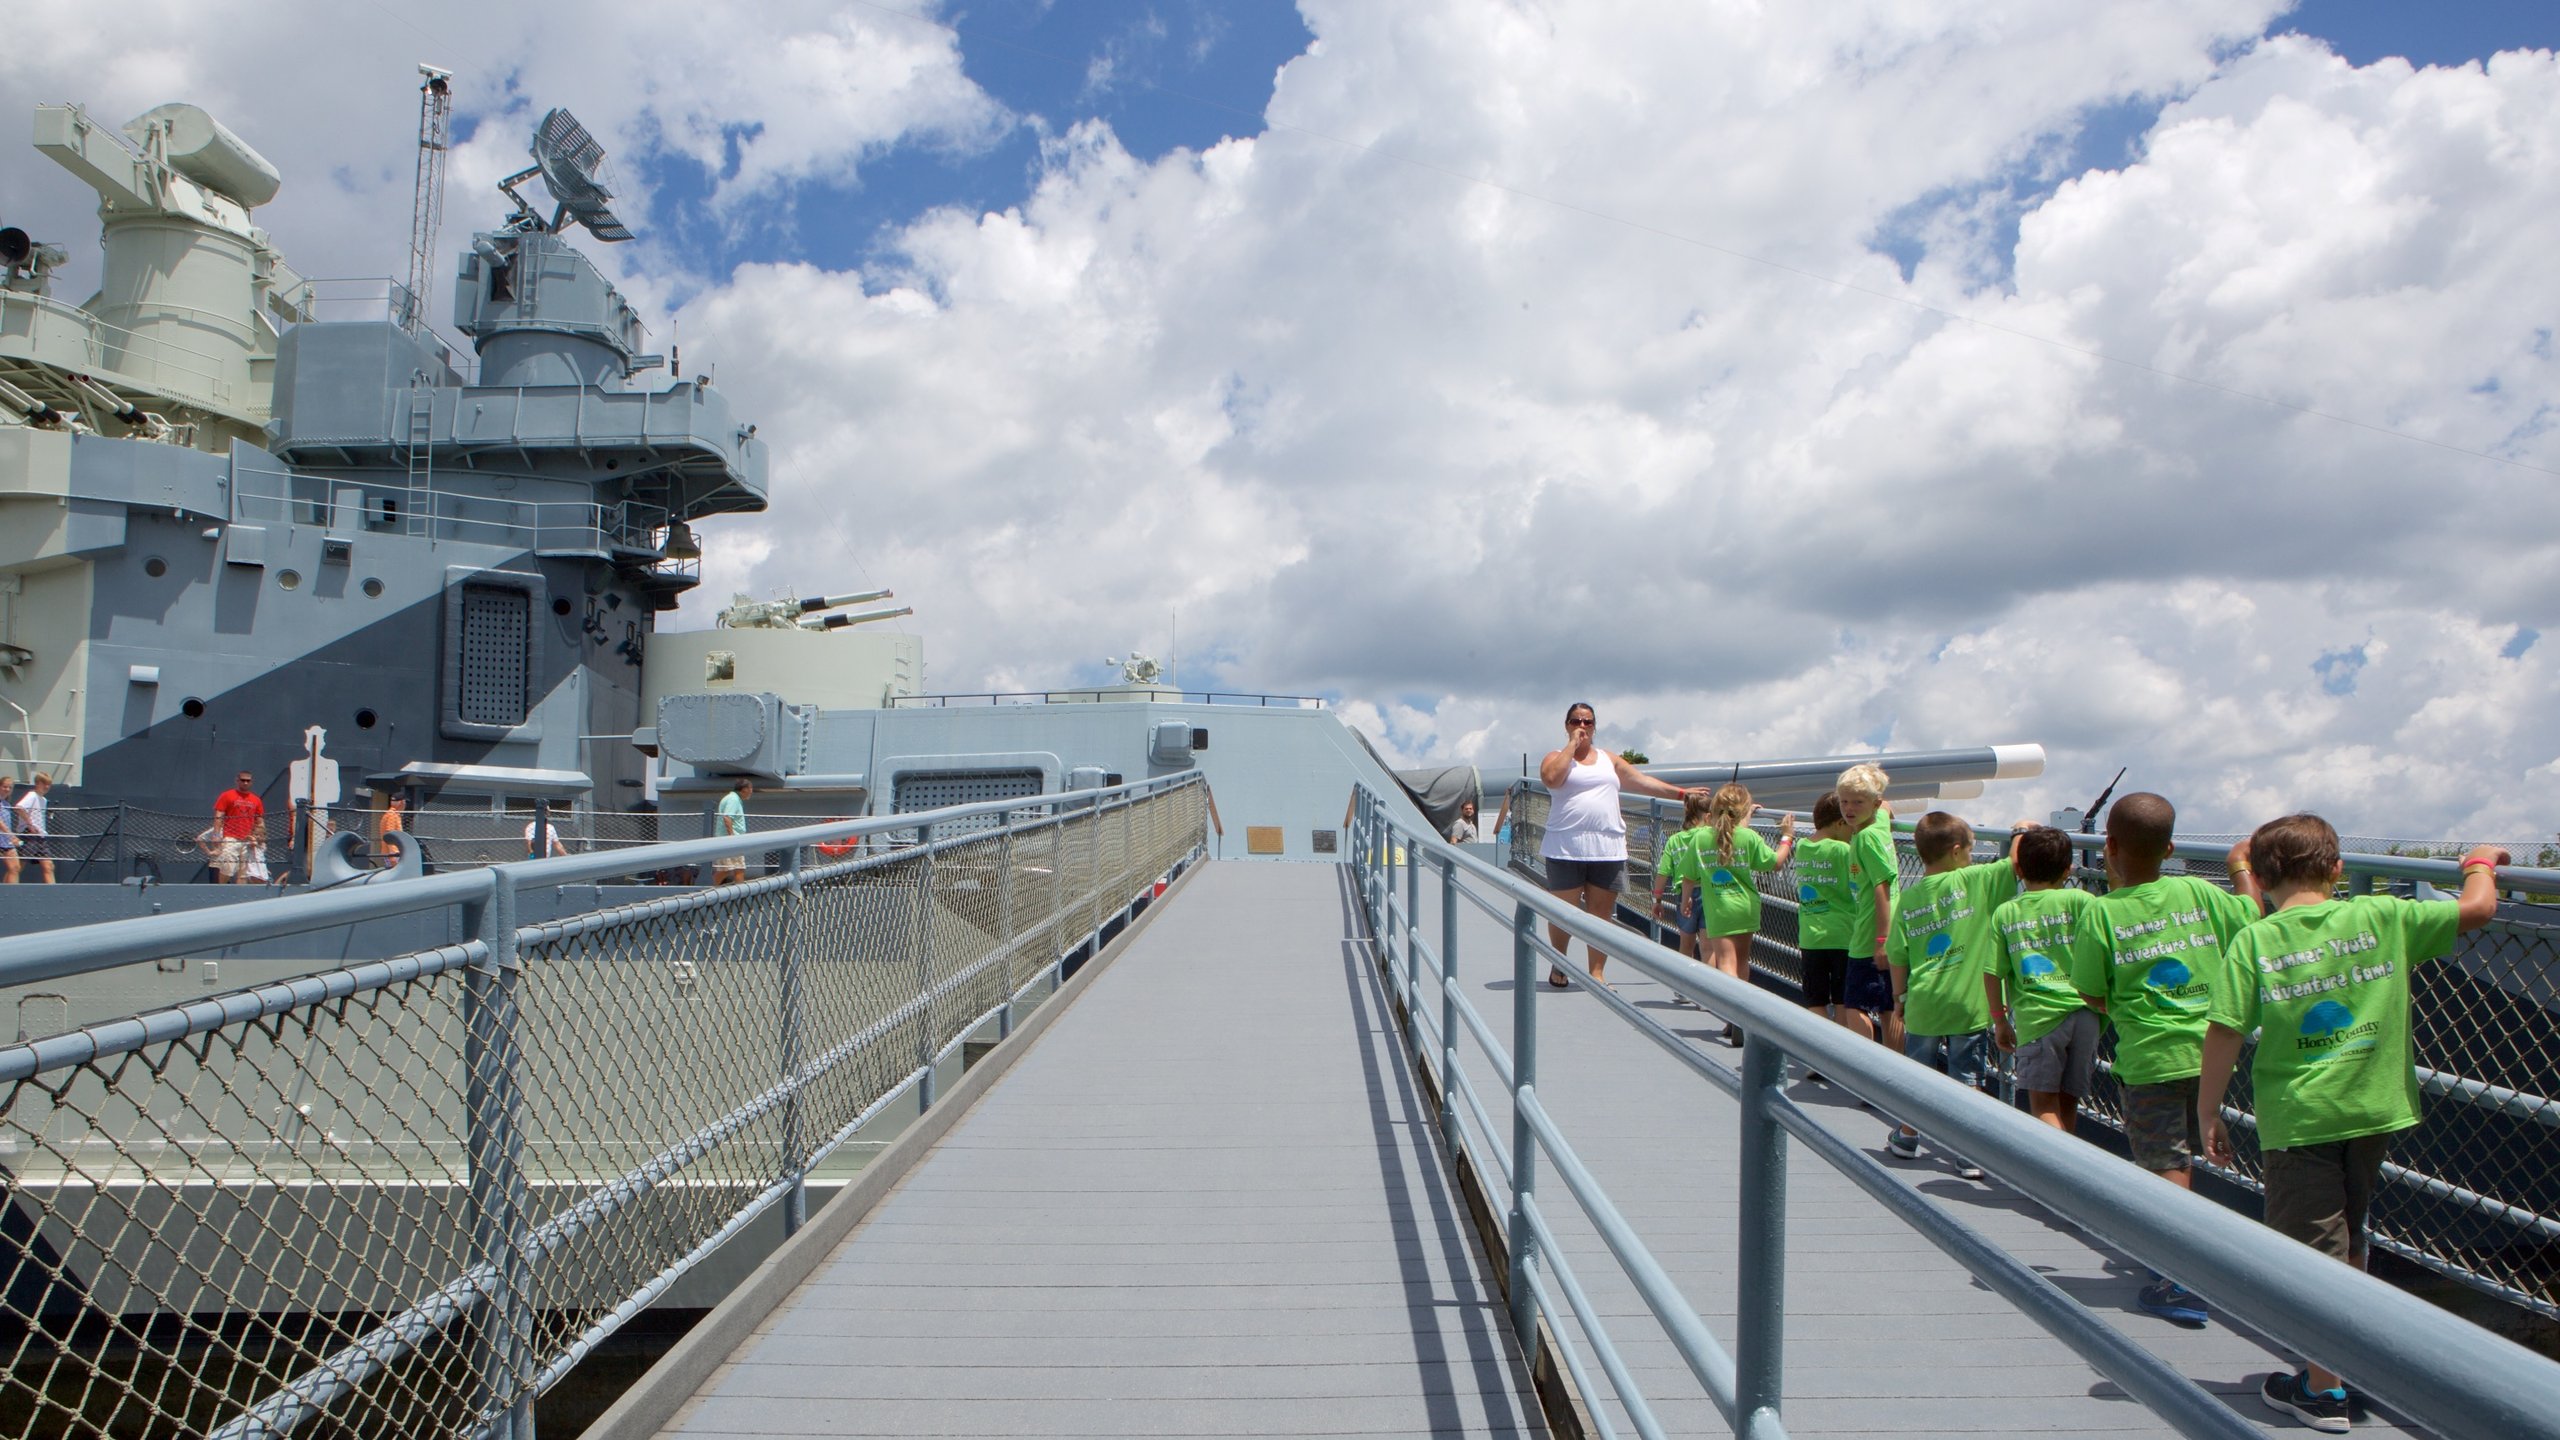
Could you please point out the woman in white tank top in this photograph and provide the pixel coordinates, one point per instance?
(1586, 842)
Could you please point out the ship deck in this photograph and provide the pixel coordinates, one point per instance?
(1209, 1200)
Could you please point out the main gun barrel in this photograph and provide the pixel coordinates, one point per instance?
(858, 617)
(816, 603)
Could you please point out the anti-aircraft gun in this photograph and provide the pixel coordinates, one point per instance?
(745, 612)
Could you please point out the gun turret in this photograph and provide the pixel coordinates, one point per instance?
(858, 617)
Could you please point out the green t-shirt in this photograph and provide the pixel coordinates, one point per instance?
(2159, 944)
(1733, 892)
(1871, 864)
(2040, 934)
(1824, 894)
(1679, 860)
(733, 814)
(2328, 984)
(1942, 934)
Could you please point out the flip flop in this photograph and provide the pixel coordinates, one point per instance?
(1556, 978)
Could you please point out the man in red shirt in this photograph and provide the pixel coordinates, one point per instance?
(243, 817)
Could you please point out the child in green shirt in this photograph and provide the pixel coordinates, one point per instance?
(2325, 982)
(2160, 938)
(1874, 874)
(1735, 857)
(1939, 946)
(1824, 895)
(2036, 1011)
(1681, 868)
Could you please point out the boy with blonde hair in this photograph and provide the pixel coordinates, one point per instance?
(2325, 982)
(1873, 877)
(1940, 943)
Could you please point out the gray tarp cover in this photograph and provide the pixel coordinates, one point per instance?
(1439, 793)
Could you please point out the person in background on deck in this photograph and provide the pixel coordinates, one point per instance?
(1462, 831)
(1823, 899)
(1735, 859)
(1873, 876)
(243, 817)
(731, 819)
(8, 840)
(35, 834)
(550, 834)
(1586, 841)
(1941, 942)
(393, 819)
(1681, 872)
(2325, 982)
(2036, 1010)
(2159, 940)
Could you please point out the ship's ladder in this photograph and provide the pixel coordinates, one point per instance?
(419, 451)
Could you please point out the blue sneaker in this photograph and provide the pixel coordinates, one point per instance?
(2322, 1410)
(1901, 1146)
(2173, 1302)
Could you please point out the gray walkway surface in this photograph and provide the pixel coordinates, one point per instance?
(1206, 1203)
(1885, 1335)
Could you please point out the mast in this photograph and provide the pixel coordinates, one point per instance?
(426, 213)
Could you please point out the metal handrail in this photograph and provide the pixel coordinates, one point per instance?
(2394, 1345)
(54, 954)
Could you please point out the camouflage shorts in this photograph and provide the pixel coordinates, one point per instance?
(2160, 1124)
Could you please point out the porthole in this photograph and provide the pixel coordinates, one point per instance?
(372, 588)
(192, 708)
(366, 719)
(289, 579)
(560, 605)
(155, 567)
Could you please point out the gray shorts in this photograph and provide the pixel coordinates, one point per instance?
(2064, 1060)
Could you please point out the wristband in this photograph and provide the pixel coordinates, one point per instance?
(2471, 865)
(2240, 869)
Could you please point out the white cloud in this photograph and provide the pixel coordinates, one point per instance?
(765, 96)
(1452, 394)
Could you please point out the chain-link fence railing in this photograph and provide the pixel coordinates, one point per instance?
(2473, 1192)
(406, 1196)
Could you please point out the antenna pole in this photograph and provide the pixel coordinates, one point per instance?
(426, 214)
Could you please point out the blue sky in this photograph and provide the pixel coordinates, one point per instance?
(1165, 74)
(1168, 74)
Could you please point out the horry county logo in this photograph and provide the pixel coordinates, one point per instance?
(2172, 984)
(1721, 876)
(2034, 966)
(1808, 894)
(2330, 1025)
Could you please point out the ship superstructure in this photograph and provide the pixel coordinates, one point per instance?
(228, 516)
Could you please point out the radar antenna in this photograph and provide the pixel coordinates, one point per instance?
(435, 135)
(571, 164)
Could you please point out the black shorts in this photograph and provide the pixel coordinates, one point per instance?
(1574, 874)
(1826, 977)
(1866, 988)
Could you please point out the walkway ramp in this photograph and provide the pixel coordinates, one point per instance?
(1885, 1334)
(1207, 1202)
